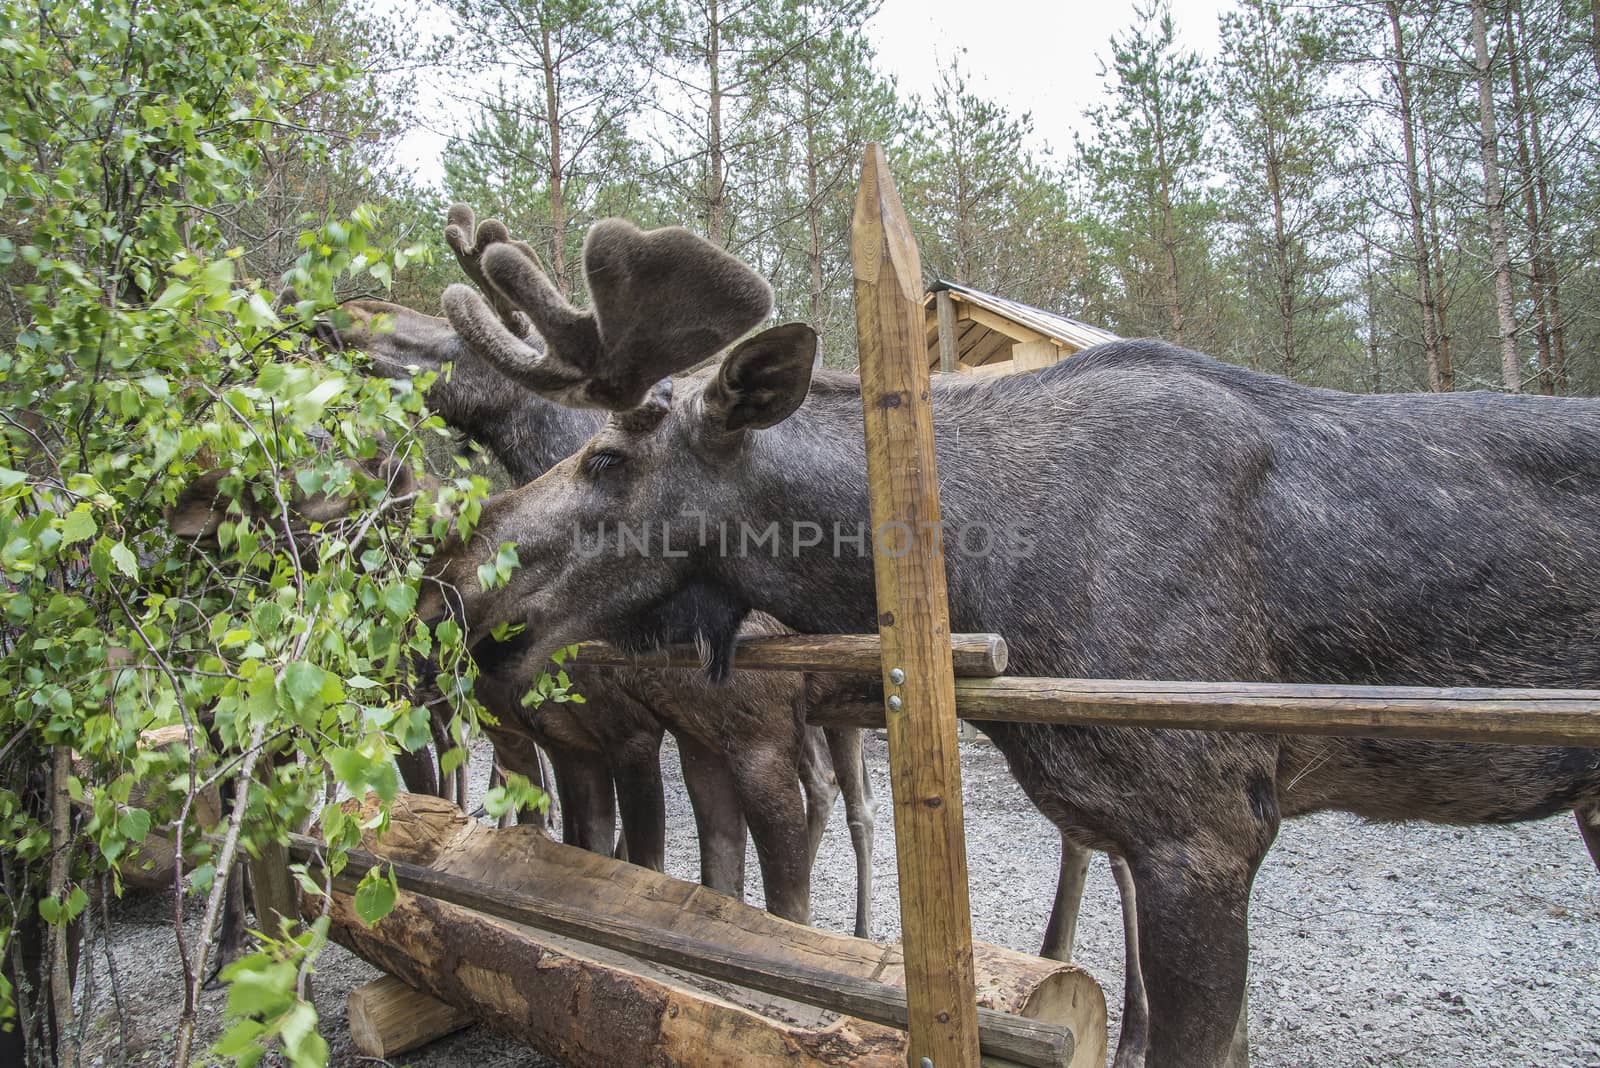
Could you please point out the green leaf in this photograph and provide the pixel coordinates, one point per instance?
(133, 824)
(77, 901)
(517, 793)
(451, 759)
(123, 557)
(398, 599)
(77, 525)
(301, 1043)
(217, 277)
(375, 895)
(307, 883)
(349, 766)
(303, 683)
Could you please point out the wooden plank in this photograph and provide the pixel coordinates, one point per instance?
(276, 896)
(924, 762)
(1032, 355)
(981, 655)
(994, 370)
(1014, 330)
(389, 1016)
(948, 338)
(1487, 716)
(991, 347)
(521, 876)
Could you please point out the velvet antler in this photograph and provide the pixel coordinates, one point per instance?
(469, 245)
(662, 301)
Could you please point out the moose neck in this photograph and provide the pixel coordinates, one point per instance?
(807, 475)
(526, 433)
(811, 468)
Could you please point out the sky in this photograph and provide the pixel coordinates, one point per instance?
(1038, 56)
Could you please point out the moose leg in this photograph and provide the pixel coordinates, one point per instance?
(1194, 948)
(1062, 929)
(821, 788)
(1239, 1051)
(769, 796)
(233, 930)
(1134, 1036)
(442, 744)
(717, 816)
(845, 745)
(636, 771)
(588, 807)
(546, 783)
(497, 779)
(1589, 826)
(419, 771)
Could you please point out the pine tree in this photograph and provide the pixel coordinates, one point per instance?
(559, 115)
(1150, 159)
(989, 212)
(1276, 107)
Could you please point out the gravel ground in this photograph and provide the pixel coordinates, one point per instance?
(1395, 946)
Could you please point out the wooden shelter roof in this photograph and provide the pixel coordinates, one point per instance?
(987, 328)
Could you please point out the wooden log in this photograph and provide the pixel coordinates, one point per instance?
(150, 864)
(913, 621)
(275, 895)
(979, 655)
(586, 1003)
(388, 1017)
(949, 346)
(1460, 714)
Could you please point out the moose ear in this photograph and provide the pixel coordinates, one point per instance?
(763, 380)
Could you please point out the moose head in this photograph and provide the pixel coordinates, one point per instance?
(661, 302)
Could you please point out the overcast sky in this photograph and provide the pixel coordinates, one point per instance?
(1039, 56)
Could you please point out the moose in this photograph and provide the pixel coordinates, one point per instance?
(747, 755)
(1185, 519)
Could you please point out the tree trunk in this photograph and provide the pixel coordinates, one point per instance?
(1285, 273)
(1372, 316)
(61, 933)
(558, 209)
(1494, 203)
(1594, 41)
(1530, 210)
(1419, 244)
(1441, 305)
(1549, 269)
(813, 204)
(1169, 237)
(716, 208)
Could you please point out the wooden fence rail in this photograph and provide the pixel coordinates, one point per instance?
(981, 655)
(1498, 716)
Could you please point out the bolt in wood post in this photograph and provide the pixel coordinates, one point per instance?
(914, 626)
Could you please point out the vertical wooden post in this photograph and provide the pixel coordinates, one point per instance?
(949, 355)
(276, 897)
(914, 624)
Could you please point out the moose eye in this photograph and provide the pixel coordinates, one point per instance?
(602, 459)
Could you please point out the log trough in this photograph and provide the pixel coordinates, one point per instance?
(584, 1004)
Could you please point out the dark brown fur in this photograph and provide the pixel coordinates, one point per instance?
(1189, 520)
